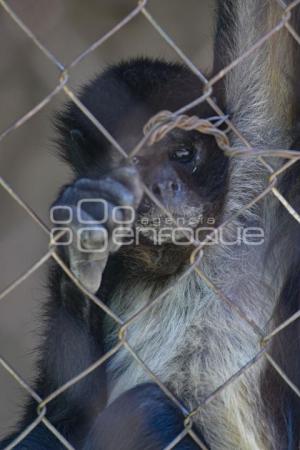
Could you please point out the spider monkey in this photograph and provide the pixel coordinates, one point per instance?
(191, 340)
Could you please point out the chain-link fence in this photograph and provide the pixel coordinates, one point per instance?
(157, 128)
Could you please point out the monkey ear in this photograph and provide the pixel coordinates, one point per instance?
(77, 144)
(77, 137)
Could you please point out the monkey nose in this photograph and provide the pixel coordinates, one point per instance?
(166, 188)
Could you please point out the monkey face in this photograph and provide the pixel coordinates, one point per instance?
(187, 173)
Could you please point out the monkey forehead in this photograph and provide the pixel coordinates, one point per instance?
(127, 94)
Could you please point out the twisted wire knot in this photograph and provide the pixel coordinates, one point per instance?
(165, 121)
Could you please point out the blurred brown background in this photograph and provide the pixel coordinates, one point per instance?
(27, 157)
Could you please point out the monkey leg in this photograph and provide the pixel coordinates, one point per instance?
(142, 418)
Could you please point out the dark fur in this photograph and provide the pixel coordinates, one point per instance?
(142, 418)
(73, 324)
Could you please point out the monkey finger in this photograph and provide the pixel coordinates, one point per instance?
(88, 268)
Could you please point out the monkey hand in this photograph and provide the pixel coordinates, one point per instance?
(90, 211)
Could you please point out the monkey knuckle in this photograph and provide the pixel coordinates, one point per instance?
(93, 238)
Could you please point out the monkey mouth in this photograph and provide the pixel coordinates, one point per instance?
(145, 206)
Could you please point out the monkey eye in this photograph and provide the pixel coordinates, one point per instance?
(183, 155)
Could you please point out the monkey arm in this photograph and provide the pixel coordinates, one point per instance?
(71, 346)
(73, 334)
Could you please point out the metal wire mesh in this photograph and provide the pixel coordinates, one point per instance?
(158, 127)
